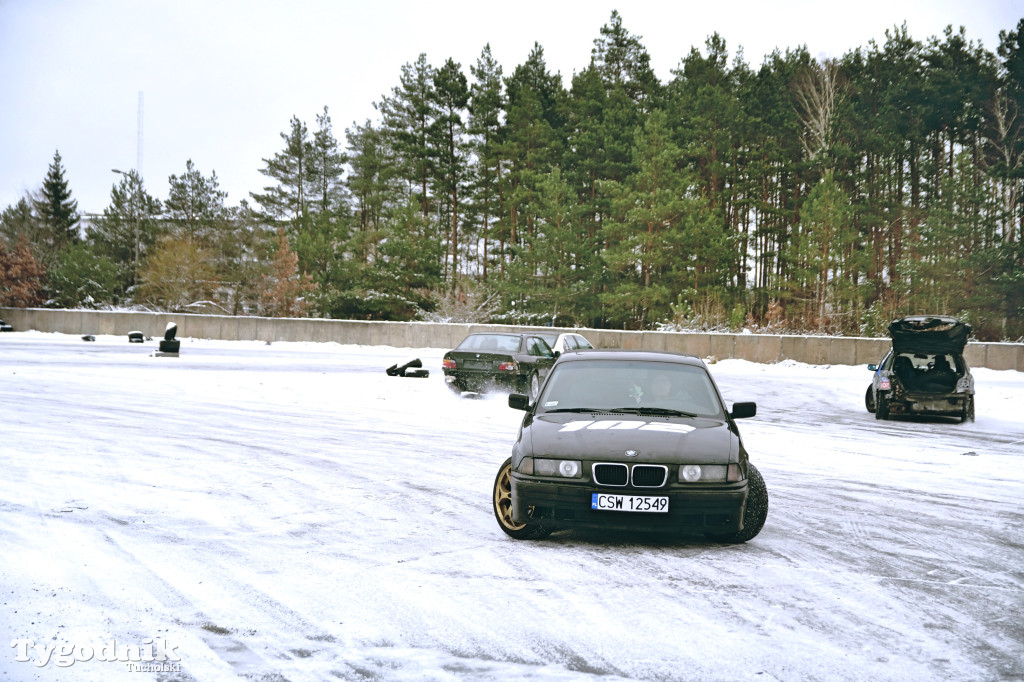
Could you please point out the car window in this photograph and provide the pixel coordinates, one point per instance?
(538, 347)
(549, 339)
(582, 343)
(490, 342)
(569, 342)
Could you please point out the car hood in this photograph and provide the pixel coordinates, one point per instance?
(648, 439)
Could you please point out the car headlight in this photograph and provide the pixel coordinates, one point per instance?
(705, 473)
(564, 468)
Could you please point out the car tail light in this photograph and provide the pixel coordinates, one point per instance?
(883, 385)
(448, 363)
(507, 367)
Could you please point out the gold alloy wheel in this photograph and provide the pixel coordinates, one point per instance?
(503, 499)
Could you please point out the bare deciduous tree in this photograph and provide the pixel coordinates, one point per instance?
(818, 90)
(1005, 156)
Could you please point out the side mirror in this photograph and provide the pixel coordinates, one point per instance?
(873, 368)
(518, 401)
(743, 410)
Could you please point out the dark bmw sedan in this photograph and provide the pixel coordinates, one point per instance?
(630, 440)
(513, 361)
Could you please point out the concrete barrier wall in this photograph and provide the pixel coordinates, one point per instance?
(763, 348)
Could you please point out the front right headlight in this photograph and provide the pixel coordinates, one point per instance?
(709, 473)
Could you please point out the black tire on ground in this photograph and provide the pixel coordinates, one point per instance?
(881, 407)
(968, 411)
(756, 511)
(533, 387)
(869, 399)
(501, 497)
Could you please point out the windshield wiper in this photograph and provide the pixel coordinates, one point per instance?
(651, 411)
(575, 409)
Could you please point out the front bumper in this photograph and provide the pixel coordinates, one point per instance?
(691, 510)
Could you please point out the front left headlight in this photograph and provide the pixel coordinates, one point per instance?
(564, 468)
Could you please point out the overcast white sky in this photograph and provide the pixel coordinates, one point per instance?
(221, 79)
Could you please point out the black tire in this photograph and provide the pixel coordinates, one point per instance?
(869, 399)
(533, 387)
(881, 407)
(756, 511)
(501, 499)
(968, 411)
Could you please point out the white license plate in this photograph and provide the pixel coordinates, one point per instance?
(628, 503)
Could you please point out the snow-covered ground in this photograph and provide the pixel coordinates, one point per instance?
(290, 512)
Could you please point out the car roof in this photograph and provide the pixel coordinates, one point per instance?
(503, 334)
(623, 354)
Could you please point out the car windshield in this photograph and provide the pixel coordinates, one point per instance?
(507, 343)
(631, 387)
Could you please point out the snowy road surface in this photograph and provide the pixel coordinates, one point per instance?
(290, 512)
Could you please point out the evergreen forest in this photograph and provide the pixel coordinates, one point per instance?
(798, 196)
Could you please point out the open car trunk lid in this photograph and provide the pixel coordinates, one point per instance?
(929, 334)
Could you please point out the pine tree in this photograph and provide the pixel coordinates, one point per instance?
(536, 120)
(818, 247)
(57, 212)
(326, 168)
(19, 221)
(195, 205)
(451, 95)
(545, 280)
(486, 132)
(408, 116)
(291, 169)
(372, 179)
(631, 92)
(651, 246)
(82, 278)
(129, 226)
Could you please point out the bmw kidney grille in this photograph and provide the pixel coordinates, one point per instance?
(643, 475)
